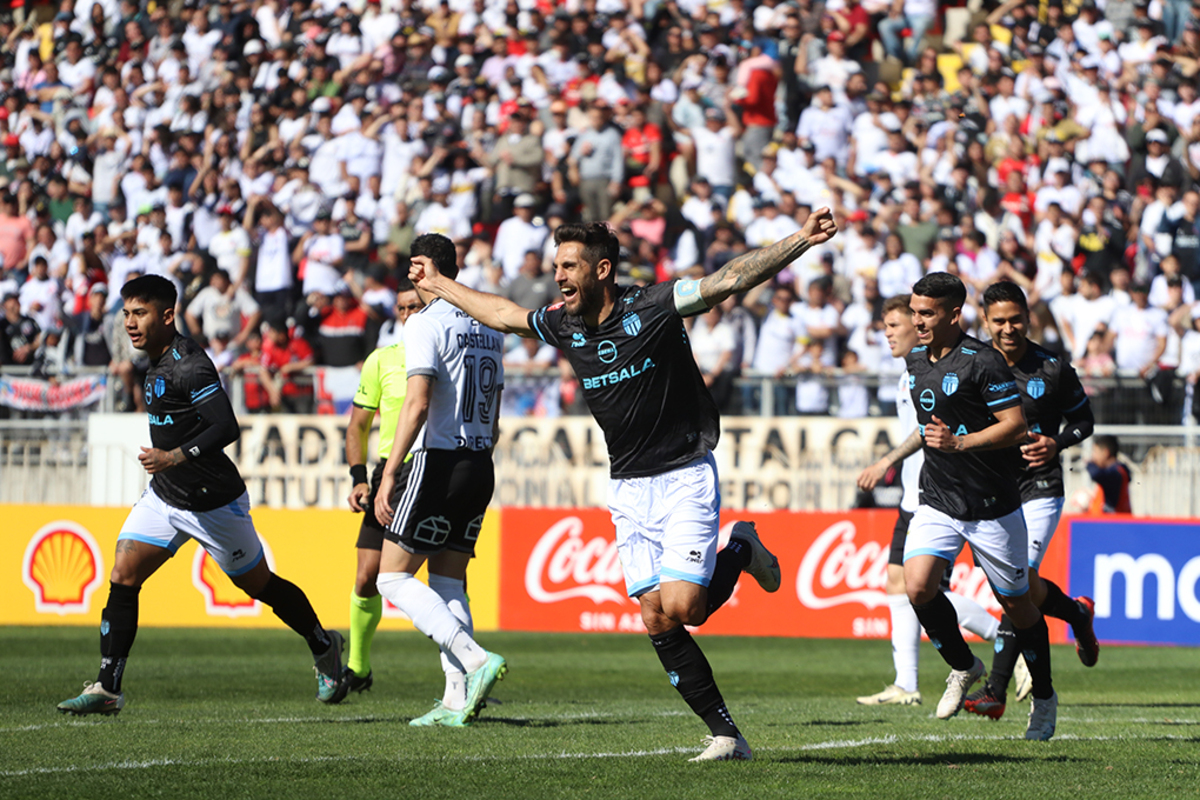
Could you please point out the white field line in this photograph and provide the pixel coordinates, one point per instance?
(836, 744)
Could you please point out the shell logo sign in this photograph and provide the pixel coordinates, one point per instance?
(62, 567)
(221, 597)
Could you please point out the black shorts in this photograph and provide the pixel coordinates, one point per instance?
(371, 533)
(442, 506)
(899, 535)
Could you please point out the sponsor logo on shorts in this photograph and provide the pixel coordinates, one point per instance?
(432, 531)
(695, 557)
(62, 567)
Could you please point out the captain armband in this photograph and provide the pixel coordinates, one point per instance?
(688, 300)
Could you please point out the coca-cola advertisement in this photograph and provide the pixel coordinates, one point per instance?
(560, 571)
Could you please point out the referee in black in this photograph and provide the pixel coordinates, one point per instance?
(969, 414)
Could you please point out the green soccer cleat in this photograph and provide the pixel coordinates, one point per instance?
(95, 699)
(441, 716)
(481, 681)
(328, 667)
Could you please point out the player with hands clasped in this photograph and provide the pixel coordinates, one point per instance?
(969, 413)
(196, 493)
(1050, 393)
(629, 349)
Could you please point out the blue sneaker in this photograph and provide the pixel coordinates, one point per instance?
(481, 681)
(95, 699)
(328, 666)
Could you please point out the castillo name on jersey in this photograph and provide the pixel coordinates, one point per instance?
(1050, 391)
(176, 386)
(965, 389)
(639, 378)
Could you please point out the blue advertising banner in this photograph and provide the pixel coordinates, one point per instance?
(1143, 575)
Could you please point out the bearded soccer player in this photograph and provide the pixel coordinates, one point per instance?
(630, 350)
(196, 493)
(1050, 393)
(906, 629)
(969, 413)
(381, 388)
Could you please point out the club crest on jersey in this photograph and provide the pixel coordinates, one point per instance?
(632, 323)
(607, 351)
(160, 386)
(578, 340)
(1035, 388)
(950, 383)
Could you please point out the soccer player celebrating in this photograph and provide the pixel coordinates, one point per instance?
(906, 629)
(196, 493)
(969, 412)
(1050, 392)
(630, 351)
(381, 388)
(448, 422)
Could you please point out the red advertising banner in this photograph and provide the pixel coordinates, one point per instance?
(560, 571)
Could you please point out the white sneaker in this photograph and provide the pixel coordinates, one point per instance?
(1022, 678)
(893, 695)
(763, 566)
(725, 748)
(1043, 714)
(957, 685)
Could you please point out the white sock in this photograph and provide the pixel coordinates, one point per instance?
(906, 641)
(973, 617)
(452, 591)
(431, 616)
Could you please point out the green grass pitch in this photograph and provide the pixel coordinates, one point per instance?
(220, 714)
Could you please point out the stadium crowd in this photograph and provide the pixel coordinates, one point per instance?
(275, 160)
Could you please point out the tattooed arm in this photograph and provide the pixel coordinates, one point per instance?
(870, 477)
(757, 266)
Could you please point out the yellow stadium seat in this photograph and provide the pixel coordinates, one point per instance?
(1002, 34)
(949, 65)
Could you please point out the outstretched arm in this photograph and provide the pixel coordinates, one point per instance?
(749, 270)
(872, 475)
(498, 313)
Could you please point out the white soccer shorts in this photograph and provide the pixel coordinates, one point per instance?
(998, 544)
(667, 525)
(1041, 520)
(227, 533)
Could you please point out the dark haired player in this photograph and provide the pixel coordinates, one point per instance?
(629, 348)
(969, 411)
(196, 493)
(448, 422)
(1050, 392)
(381, 388)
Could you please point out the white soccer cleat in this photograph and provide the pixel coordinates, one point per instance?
(763, 566)
(725, 748)
(893, 695)
(1022, 678)
(1043, 714)
(957, 686)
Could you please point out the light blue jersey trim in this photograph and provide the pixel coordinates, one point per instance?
(173, 545)
(236, 508)
(641, 587)
(699, 580)
(1004, 400)
(1077, 406)
(246, 568)
(205, 393)
(1009, 592)
(929, 551)
(537, 329)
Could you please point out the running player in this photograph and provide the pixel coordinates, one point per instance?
(969, 412)
(906, 629)
(629, 348)
(196, 493)
(380, 389)
(448, 421)
(1050, 392)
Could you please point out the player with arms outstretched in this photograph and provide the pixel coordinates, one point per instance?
(1050, 394)
(969, 412)
(196, 493)
(629, 349)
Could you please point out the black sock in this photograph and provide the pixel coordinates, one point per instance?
(118, 629)
(730, 563)
(1005, 659)
(691, 675)
(941, 623)
(1035, 646)
(1059, 606)
(291, 606)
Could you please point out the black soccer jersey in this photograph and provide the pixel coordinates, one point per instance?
(964, 390)
(640, 380)
(1050, 391)
(182, 380)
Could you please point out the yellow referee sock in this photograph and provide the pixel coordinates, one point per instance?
(365, 613)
